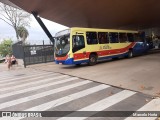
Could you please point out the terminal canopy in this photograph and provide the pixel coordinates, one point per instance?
(120, 14)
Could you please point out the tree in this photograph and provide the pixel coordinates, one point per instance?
(15, 17)
(22, 33)
(6, 47)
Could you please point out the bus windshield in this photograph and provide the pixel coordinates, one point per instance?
(62, 45)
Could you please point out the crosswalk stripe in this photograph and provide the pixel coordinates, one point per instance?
(40, 95)
(69, 98)
(103, 104)
(65, 99)
(11, 78)
(24, 77)
(153, 105)
(38, 87)
(27, 80)
(32, 83)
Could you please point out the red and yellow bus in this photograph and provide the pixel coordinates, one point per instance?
(89, 45)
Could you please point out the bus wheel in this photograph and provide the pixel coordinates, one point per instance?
(92, 59)
(115, 58)
(130, 54)
(78, 64)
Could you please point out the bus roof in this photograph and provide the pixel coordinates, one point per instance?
(80, 29)
(62, 32)
(101, 30)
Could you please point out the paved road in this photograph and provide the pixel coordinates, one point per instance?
(140, 73)
(36, 90)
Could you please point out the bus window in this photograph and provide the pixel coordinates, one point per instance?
(113, 37)
(138, 37)
(91, 38)
(123, 37)
(78, 42)
(103, 38)
(130, 37)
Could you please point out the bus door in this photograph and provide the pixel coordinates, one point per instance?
(141, 43)
(144, 46)
(78, 47)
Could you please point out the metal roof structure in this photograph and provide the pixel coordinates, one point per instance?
(121, 14)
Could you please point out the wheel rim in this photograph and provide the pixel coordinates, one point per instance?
(92, 59)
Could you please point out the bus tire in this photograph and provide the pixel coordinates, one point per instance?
(78, 64)
(130, 54)
(92, 59)
(115, 58)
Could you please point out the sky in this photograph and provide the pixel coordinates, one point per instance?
(36, 34)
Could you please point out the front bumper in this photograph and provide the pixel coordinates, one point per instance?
(65, 62)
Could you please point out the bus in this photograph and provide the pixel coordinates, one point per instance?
(90, 45)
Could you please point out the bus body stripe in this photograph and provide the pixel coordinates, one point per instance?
(103, 53)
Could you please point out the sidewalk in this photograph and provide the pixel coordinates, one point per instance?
(3, 67)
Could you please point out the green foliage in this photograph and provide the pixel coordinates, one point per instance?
(6, 47)
(22, 33)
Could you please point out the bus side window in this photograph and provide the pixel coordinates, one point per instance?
(123, 37)
(78, 42)
(113, 37)
(103, 38)
(91, 38)
(130, 37)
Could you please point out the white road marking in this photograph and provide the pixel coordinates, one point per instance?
(40, 95)
(32, 83)
(38, 87)
(65, 99)
(103, 104)
(153, 105)
(27, 80)
(68, 98)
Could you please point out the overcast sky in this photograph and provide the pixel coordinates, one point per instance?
(36, 34)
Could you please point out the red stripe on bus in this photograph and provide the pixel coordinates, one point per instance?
(78, 56)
